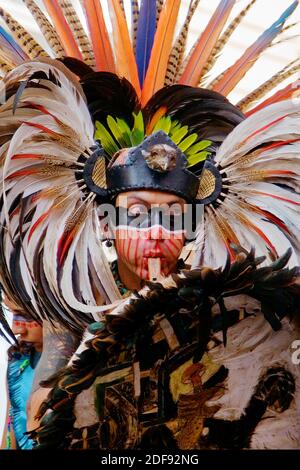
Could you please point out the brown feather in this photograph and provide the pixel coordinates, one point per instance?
(178, 50)
(223, 40)
(134, 22)
(78, 32)
(159, 5)
(267, 86)
(22, 37)
(46, 28)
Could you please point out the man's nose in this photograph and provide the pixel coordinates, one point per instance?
(156, 232)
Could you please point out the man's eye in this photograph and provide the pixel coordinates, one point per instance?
(136, 210)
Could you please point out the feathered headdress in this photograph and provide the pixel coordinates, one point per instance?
(64, 120)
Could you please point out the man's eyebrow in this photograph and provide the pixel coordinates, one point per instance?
(144, 201)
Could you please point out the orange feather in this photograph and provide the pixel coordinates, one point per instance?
(65, 243)
(33, 156)
(63, 29)
(42, 128)
(192, 73)
(99, 36)
(19, 173)
(37, 223)
(260, 233)
(155, 118)
(274, 196)
(281, 95)
(125, 60)
(42, 109)
(261, 129)
(162, 46)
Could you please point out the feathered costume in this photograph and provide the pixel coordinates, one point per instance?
(61, 125)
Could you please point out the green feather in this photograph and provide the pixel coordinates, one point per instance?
(116, 131)
(187, 142)
(179, 135)
(163, 124)
(202, 145)
(106, 139)
(138, 131)
(174, 124)
(139, 122)
(196, 158)
(125, 129)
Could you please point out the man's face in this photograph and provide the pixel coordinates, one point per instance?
(27, 330)
(150, 227)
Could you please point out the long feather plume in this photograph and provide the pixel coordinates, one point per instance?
(289, 91)
(5, 66)
(46, 28)
(222, 41)
(161, 49)
(62, 28)
(10, 50)
(263, 89)
(125, 60)
(159, 6)
(145, 36)
(134, 22)
(99, 36)
(206, 43)
(22, 37)
(178, 50)
(230, 78)
(78, 32)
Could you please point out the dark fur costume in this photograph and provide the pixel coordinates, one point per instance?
(133, 357)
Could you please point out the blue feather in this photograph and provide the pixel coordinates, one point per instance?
(145, 36)
(277, 26)
(10, 47)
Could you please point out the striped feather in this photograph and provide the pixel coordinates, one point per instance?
(178, 50)
(22, 37)
(78, 32)
(145, 36)
(10, 50)
(159, 6)
(231, 77)
(186, 61)
(46, 28)
(5, 67)
(99, 36)
(206, 43)
(267, 86)
(134, 22)
(122, 5)
(290, 91)
(224, 39)
(62, 29)
(125, 60)
(161, 49)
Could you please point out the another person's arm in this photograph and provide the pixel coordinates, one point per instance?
(58, 346)
(8, 432)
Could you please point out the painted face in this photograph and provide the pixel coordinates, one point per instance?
(150, 227)
(27, 330)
